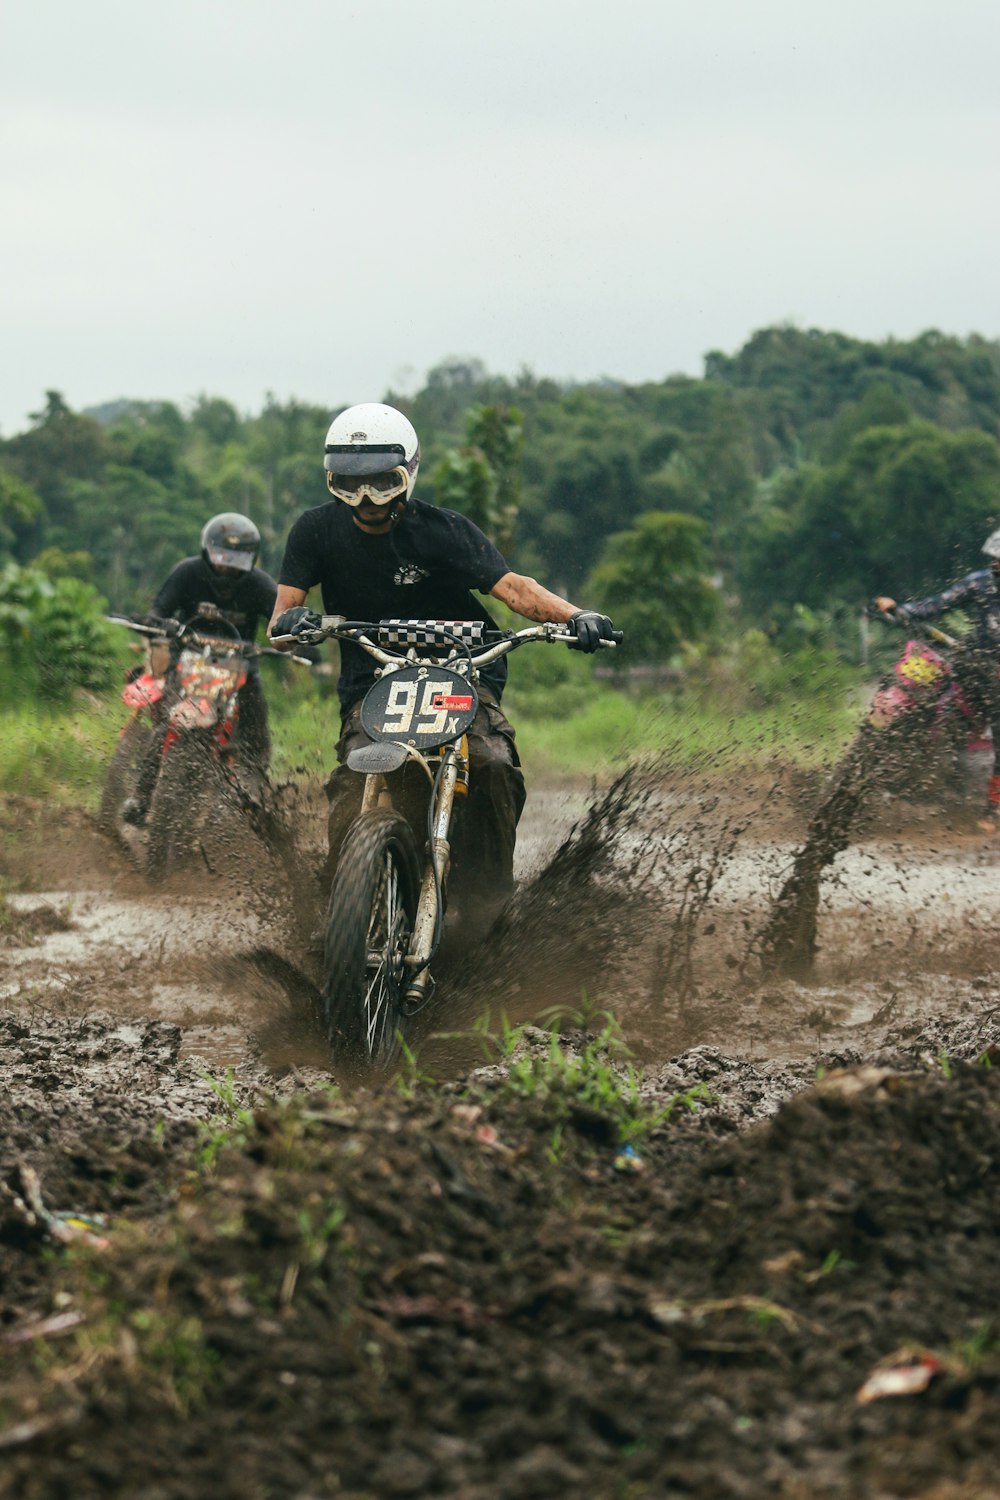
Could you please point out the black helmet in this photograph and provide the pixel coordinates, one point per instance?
(230, 541)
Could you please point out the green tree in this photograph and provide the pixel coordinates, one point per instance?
(498, 433)
(52, 635)
(905, 509)
(464, 481)
(74, 646)
(482, 479)
(652, 580)
(20, 507)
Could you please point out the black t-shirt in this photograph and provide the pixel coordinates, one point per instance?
(425, 568)
(244, 601)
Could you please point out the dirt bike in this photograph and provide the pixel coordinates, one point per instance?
(927, 711)
(918, 736)
(186, 699)
(387, 900)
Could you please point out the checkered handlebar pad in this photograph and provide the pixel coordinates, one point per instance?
(431, 632)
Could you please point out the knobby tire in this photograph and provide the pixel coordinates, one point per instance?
(186, 778)
(373, 902)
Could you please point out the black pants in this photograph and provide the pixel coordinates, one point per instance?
(485, 830)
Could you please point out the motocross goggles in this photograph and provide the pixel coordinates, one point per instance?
(380, 489)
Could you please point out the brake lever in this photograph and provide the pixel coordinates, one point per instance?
(300, 638)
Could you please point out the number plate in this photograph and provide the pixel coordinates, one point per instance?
(419, 706)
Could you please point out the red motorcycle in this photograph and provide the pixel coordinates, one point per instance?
(917, 738)
(924, 692)
(185, 714)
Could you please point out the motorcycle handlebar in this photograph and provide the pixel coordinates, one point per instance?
(338, 628)
(223, 643)
(921, 627)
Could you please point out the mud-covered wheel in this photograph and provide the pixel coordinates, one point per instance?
(373, 903)
(186, 784)
(122, 773)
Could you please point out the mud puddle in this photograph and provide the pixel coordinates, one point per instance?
(141, 956)
(654, 921)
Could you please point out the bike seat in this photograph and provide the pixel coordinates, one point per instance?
(378, 759)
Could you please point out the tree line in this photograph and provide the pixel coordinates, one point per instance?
(809, 469)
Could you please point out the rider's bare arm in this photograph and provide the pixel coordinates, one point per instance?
(287, 598)
(884, 603)
(526, 597)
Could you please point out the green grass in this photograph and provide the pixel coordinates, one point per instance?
(610, 729)
(304, 735)
(595, 1075)
(60, 754)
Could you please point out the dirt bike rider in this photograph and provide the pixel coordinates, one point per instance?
(977, 664)
(377, 553)
(221, 582)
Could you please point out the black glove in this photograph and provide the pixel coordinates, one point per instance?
(292, 621)
(590, 630)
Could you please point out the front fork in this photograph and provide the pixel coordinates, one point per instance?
(425, 924)
(452, 774)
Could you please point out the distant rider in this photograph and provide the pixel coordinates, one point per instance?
(978, 663)
(377, 553)
(224, 577)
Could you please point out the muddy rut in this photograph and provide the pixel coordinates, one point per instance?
(454, 1288)
(653, 900)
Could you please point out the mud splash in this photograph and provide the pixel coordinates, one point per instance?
(787, 943)
(651, 907)
(900, 756)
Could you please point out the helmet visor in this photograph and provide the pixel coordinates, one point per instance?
(227, 557)
(380, 489)
(375, 458)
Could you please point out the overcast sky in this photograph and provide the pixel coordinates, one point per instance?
(321, 198)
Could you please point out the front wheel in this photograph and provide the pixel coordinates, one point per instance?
(182, 802)
(373, 903)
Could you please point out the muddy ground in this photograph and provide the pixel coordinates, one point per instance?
(224, 1270)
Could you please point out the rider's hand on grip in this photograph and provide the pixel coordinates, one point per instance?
(293, 621)
(590, 629)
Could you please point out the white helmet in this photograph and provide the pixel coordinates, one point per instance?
(366, 440)
(991, 546)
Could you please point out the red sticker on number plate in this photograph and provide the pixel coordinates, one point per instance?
(440, 700)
